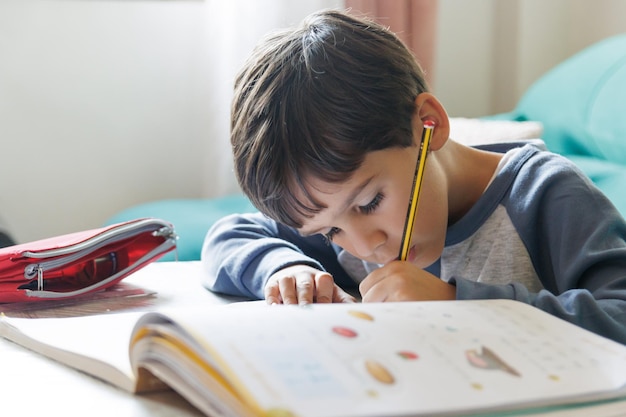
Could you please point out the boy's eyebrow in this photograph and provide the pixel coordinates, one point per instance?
(349, 201)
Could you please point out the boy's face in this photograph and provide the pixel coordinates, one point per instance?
(366, 214)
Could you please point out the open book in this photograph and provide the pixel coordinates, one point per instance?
(380, 359)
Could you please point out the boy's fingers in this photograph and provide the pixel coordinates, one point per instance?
(272, 294)
(372, 280)
(303, 285)
(306, 288)
(324, 288)
(287, 287)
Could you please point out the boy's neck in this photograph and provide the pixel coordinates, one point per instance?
(468, 172)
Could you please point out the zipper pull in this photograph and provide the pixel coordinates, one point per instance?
(166, 232)
(40, 278)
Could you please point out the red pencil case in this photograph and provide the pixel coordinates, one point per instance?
(72, 265)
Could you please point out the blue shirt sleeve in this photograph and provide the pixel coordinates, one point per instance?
(242, 251)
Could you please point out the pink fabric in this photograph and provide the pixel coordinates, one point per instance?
(413, 21)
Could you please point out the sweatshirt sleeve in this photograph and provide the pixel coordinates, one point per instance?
(241, 251)
(577, 242)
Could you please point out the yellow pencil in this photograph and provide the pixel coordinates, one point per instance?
(415, 191)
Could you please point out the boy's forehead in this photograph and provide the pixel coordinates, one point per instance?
(373, 163)
(315, 186)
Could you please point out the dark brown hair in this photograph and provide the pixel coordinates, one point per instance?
(313, 101)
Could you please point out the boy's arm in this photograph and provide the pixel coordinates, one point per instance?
(241, 252)
(587, 309)
(577, 241)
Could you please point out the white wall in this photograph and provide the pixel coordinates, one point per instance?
(101, 106)
(105, 104)
(490, 51)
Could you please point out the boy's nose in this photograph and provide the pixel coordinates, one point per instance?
(366, 240)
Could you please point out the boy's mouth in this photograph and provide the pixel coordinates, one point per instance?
(411, 255)
(409, 258)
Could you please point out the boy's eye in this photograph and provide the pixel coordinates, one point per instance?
(331, 234)
(366, 209)
(372, 205)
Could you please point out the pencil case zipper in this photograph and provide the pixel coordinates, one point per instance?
(78, 250)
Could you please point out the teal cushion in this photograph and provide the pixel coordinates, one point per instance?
(191, 218)
(581, 102)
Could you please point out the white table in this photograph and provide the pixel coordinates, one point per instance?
(32, 385)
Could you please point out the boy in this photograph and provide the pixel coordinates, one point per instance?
(326, 126)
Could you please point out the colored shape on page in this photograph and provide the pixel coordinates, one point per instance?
(361, 315)
(379, 372)
(405, 354)
(344, 331)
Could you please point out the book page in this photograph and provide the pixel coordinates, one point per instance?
(97, 345)
(414, 358)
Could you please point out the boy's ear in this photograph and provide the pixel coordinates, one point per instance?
(427, 107)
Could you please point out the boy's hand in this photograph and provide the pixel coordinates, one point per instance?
(302, 284)
(403, 281)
